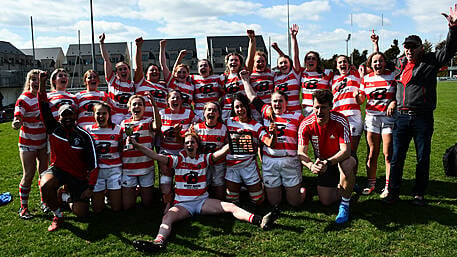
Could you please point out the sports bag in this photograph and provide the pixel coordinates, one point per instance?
(450, 161)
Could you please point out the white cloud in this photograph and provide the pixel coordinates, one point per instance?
(8, 36)
(367, 20)
(426, 15)
(305, 11)
(372, 4)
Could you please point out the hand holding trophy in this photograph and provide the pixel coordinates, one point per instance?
(129, 132)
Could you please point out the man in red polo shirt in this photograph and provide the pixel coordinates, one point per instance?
(330, 137)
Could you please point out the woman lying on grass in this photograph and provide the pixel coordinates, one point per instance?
(191, 196)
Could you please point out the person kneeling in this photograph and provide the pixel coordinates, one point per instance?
(191, 196)
(330, 136)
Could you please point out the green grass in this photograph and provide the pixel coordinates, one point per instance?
(374, 230)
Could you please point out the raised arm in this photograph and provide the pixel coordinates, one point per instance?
(375, 40)
(157, 121)
(148, 152)
(295, 51)
(45, 111)
(138, 60)
(179, 59)
(250, 93)
(251, 50)
(163, 59)
(219, 154)
(277, 49)
(445, 54)
(107, 63)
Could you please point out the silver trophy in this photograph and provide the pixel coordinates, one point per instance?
(129, 132)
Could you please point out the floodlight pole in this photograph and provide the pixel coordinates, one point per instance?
(94, 66)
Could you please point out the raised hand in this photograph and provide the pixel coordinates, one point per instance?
(452, 16)
(183, 52)
(251, 33)
(101, 38)
(294, 30)
(274, 45)
(163, 43)
(139, 41)
(374, 38)
(244, 75)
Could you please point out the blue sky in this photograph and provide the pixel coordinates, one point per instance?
(324, 24)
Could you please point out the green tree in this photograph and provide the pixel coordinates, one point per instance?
(393, 51)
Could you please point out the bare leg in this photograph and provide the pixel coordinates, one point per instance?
(116, 200)
(387, 150)
(147, 196)
(99, 201)
(174, 214)
(214, 206)
(128, 197)
(373, 141)
(295, 195)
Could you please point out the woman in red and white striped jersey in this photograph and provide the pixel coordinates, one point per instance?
(242, 168)
(287, 79)
(138, 169)
(86, 99)
(280, 164)
(32, 138)
(347, 98)
(213, 134)
(208, 87)
(191, 196)
(59, 95)
(120, 87)
(379, 88)
(108, 141)
(231, 82)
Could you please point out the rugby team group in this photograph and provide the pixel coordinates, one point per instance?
(209, 132)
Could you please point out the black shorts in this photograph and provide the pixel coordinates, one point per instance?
(74, 185)
(330, 178)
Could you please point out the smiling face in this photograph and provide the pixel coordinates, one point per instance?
(190, 145)
(378, 64)
(34, 83)
(240, 110)
(311, 61)
(122, 71)
(181, 74)
(342, 64)
(234, 64)
(101, 115)
(278, 103)
(174, 101)
(211, 114)
(260, 63)
(284, 65)
(92, 81)
(67, 119)
(203, 68)
(61, 81)
(136, 108)
(322, 111)
(153, 73)
(413, 52)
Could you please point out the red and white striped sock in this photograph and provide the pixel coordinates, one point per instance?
(387, 184)
(24, 195)
(159, 239)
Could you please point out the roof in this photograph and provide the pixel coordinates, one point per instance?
(44, 53)
(233, 41)
(176, 44)
(86, 49)
(8, 48)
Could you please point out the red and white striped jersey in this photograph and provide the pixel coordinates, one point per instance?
(326, 139)
(312, 81)
(187, 89)
(263, 85)
(343, 88)
(190, 176)
(107, 144)
(33, 132)
(287, 132)
(212, 138)
(289, 84)
(232, 86)
(257, 132)
(85, 101)
(379, 90)
(169, 119)
(119, 94)
(159, 93)
(134, 162)
(58, 98)
(207, 89)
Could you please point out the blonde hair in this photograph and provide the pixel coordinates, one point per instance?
(54, 77)
(28, 77)
(227, 57)
(133, 97)
(87, 74)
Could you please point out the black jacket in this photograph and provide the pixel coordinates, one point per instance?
(420, 92)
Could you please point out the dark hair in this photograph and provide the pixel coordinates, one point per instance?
(108, 108)
(369, 60)
(336, 71)
(244, 101)
(218, 107)
(209, 65)
(152, 64)
(319, 65)
(291, 63)
(323, 96)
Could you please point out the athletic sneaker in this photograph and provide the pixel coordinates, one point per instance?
(56, 224)
(24, 214)
(269, 219)
(44, 208)
(148, 246)
(343, 214)
(384, 193)
(418, 200)
(367, 190)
